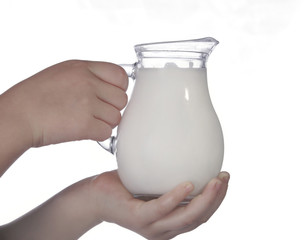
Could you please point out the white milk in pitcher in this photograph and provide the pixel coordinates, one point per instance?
(169, 132)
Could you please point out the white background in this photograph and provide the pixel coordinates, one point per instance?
(255, 80)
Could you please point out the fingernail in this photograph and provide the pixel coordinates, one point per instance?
(188, 186)
(224, 176)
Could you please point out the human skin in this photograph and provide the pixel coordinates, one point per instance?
(72, 100)
(77, 209)
(77, 100)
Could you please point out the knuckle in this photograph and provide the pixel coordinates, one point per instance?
(85, 86)
(189, 228)
(205, 219)
(188, 224)
(138, 221)
(84, 102)
(75, 75)
(164, 205)
(76, 63)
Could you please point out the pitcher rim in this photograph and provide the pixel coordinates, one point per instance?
(199, 45)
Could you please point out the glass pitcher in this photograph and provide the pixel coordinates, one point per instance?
(169, 132)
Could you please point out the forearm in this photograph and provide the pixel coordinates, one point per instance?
(15, 133)
(66, 216)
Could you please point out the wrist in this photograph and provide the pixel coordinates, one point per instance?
(75, 206)
(67, 215)
(14, 115)
(16, 136)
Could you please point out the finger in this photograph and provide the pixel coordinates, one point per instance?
(202, 207)
(224, 178)
(111, 94)
(156, 209)
(110, 73)
(198, 211)
(193, 224)
(98, 130)
(106, 113)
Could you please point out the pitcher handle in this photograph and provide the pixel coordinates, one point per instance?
(110, 143)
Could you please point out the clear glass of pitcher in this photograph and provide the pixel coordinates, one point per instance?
(169, 132)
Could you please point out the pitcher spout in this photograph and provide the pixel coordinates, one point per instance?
(205, 44)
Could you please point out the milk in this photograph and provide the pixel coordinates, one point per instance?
(169, 132)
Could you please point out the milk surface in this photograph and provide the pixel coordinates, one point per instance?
(169, 132)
